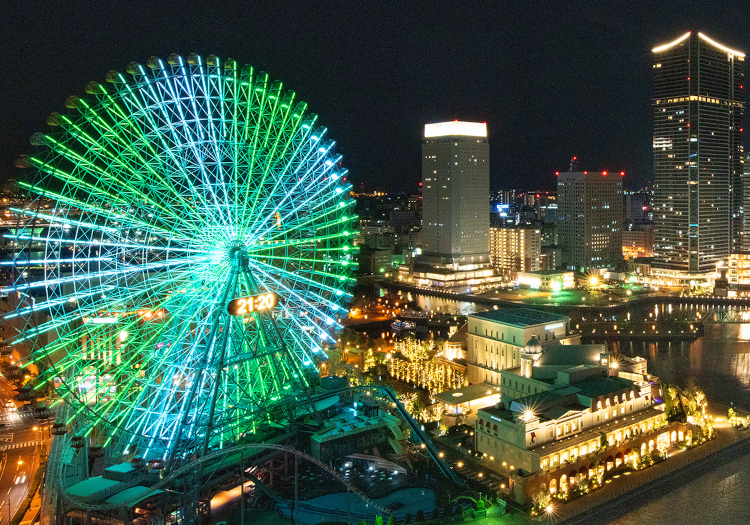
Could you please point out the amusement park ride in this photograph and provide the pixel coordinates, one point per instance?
(193, 262)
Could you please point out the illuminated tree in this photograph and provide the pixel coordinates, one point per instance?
(178, 187)
(369, 361)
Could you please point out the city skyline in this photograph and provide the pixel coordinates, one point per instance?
(407, 66)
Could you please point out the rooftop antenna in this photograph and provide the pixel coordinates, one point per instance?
(573, 164)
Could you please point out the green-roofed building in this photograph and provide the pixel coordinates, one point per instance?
(496, 339)
(561, 405)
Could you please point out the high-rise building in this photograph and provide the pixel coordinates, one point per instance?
(589, 209)
(455, 250)
(638, 206)
(516, 249)
(698, 106)
(455, 194)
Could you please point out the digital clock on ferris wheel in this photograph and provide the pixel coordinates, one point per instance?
(254, 303)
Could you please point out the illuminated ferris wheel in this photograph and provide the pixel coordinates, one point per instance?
(190, 239)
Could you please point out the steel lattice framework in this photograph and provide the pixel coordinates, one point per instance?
(160, 196)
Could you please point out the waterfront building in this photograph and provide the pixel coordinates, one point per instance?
(565, 407)
(561, 403)
(554, 280)
(516, 249)
(698, 106)
(738, 274)
(455, 193)
(455, 209)
(590, 218)
(495, 339)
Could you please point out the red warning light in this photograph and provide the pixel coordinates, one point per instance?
(622, 174)
(557, 173)
(604, 173)
(537, 195)
(575, 158)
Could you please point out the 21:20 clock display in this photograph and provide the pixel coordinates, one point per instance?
(254, 303)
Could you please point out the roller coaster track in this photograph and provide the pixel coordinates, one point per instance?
(415, 427)
(188, 468)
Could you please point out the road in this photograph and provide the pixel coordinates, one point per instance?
(19, 446)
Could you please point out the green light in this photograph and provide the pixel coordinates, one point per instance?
(156, 184)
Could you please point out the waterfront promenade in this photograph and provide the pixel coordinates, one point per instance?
(619, 305)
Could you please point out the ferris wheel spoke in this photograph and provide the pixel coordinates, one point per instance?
(119, 144)
(127, 407)
(291, 168)
(68, 339)
(286, 199)
(142, 107)
(102, 273)
(183, 82)
(200, 83)
(326, 219)
(163, 179)
(308, 281)
(70, 178)
(87, 242)
(270, 160)
(286, 289)
(113, 216)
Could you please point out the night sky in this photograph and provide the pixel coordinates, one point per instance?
(551, 79)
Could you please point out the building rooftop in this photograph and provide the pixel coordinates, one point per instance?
(602, 386)
(467, 393)
(521, 317)
(455, 128)
(573, 355)
(552, 404)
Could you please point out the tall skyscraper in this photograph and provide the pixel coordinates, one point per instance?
(455, 210)
(589, 218)
(455, 194)
(698, 104)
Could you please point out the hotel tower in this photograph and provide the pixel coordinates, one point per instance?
(698, 106)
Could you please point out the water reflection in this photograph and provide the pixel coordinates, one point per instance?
(718, 362)
(437, 304)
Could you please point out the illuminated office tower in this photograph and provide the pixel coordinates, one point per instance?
(698, 104)
(455, 194)
(589, 218)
